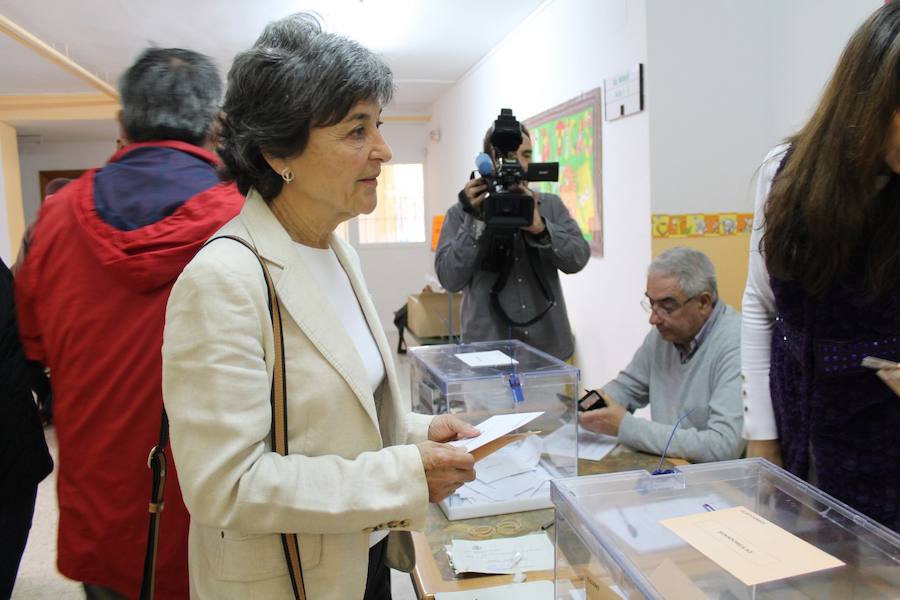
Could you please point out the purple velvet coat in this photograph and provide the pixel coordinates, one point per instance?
(824, 400)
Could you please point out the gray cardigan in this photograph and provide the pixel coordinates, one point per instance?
(710, 382)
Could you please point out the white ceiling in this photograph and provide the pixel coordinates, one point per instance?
(429, 44)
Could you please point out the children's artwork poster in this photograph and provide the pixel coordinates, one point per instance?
(570, 135)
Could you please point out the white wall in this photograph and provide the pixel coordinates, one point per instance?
(708, 97)
(394, 271)
(807, 37)
(728, 80)
(53, 156)
(564, 50)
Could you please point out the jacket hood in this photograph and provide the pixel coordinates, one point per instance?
(152, 255)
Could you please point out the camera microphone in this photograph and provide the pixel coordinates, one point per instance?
(484, 164)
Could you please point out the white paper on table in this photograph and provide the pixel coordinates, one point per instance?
(491, 358)
(494, 427)
(513, 459)
(591, 446)
(503, 555)
(519, 485)
(530, 590)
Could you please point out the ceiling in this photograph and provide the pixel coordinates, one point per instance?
(429, 44)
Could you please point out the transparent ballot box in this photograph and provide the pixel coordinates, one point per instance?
(755, 532)
(479, 380)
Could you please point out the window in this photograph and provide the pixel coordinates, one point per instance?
(400, 214)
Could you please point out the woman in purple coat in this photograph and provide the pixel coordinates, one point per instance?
(823, 289)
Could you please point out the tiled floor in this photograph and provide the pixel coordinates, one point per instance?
(38, 578)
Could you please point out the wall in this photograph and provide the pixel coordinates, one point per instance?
(565, 49)
(11, 219)
(726, 81)
(52, 156)
(393, 271)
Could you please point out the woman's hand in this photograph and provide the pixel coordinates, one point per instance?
(447, 428)
(446, 468)
(768, 449)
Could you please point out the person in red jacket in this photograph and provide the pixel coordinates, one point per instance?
(91, 298)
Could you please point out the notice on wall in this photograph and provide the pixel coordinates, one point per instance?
(624, 93)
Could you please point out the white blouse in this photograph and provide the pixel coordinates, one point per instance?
(335, 285)
(758, 319)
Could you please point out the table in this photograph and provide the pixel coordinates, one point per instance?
(433, 573)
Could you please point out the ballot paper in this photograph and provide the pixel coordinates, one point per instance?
(491, 358)
(502, 555)
(530, 590)
(510, 460)
(591, 446)
(748, 546)
(495, 427)
(510, 473)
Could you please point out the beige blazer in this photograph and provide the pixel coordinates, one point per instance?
(351, 469)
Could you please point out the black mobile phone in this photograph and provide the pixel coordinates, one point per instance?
(590, 401)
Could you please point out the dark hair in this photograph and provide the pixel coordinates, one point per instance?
(294, 78)
(826, 220)
(170, 94)
(486, 144)
(56, 184)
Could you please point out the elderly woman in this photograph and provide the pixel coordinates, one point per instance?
(301, 139)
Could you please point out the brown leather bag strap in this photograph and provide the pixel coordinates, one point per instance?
(279, 437)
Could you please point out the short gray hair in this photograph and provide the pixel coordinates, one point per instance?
(692, 269)
(170, 94)
(294, 78)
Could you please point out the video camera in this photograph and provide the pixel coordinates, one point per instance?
(503, 207)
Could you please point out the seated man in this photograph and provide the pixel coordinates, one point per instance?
(689, 367)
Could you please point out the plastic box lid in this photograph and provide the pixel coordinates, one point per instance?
(616, 516)
(444, 364)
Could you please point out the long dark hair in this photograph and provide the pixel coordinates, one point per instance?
(827, 220)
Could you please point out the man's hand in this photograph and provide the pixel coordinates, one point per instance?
(768, 449)
(446, 468)
(604, 420)
(446, 428)
(537, 226)
(475, 190)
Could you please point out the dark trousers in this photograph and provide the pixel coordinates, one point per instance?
(378, 580)
(16, 511)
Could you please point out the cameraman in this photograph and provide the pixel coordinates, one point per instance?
(556, 240)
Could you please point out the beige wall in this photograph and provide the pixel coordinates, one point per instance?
(11, 196)
(730, 255)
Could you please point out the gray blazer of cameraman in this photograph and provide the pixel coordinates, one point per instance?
(460, 253)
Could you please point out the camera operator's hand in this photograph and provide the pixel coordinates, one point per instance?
(475, 190)
(537, 226)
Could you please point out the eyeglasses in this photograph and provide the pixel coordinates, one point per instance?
(665, 307)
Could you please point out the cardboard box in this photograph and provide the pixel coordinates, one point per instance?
(428, 314)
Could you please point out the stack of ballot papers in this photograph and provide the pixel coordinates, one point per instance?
(513, 472)
(502, 555)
